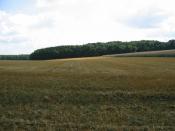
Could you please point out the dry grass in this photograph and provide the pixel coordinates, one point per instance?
(163, 53)
(100, 93)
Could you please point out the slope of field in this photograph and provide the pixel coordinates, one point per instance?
(100, 93)
(163, 53)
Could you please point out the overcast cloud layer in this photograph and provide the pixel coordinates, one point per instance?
(27, 26)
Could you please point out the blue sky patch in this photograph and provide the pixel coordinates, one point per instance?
(16, 5)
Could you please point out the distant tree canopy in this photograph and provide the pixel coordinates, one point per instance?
(14, 57)
(98, 49)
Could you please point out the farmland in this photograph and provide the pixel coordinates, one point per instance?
(163, 53)
(98, 93)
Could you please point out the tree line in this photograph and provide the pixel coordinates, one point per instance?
(99, 49)
(14, 57)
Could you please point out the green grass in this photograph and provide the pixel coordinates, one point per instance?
(100, 93)
(162, 53)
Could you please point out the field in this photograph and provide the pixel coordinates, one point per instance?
(99, 93)
(163, 53)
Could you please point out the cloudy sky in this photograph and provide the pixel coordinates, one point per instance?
(26, 25)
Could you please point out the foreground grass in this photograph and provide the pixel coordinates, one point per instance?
(101, 93)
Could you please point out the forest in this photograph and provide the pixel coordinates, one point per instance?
(100, 48)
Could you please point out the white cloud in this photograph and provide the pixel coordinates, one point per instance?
(148, 18)
(60, 22)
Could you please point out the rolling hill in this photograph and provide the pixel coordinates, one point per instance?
(162, 53)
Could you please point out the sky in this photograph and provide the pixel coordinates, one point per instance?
(27, 25)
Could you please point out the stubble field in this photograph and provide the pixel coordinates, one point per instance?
(100, 93)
